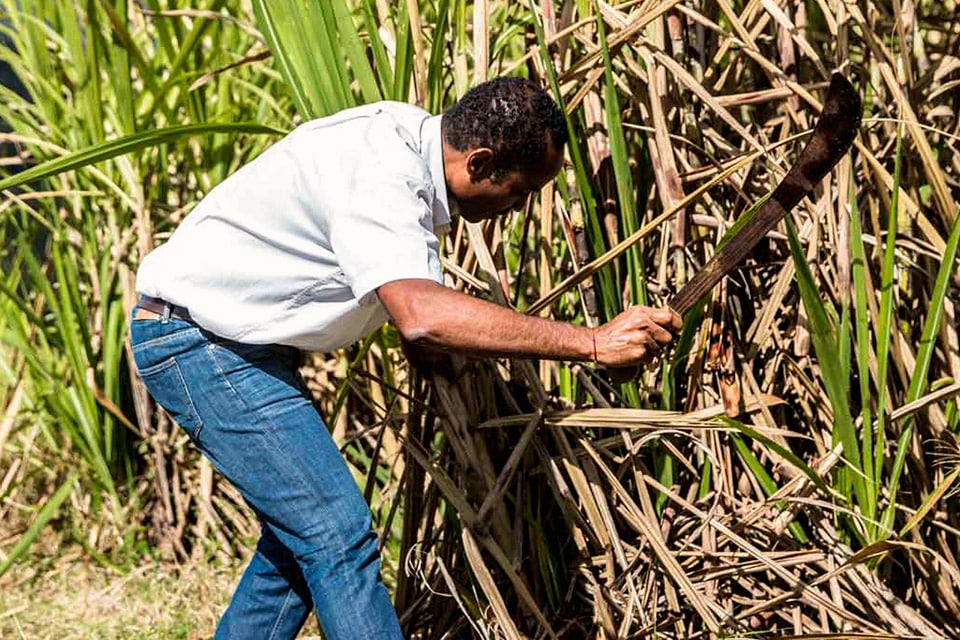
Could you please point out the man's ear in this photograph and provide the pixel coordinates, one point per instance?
(479, 164)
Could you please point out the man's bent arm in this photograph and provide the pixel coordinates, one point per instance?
(430, 315)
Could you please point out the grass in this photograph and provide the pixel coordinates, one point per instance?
(72, 598)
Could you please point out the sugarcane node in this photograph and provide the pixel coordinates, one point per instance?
(832, 136)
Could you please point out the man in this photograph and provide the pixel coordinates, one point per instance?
(314, 244)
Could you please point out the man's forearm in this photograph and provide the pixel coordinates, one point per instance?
(433, 316)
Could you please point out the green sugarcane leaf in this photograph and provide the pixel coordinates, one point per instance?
(380, 56)
(44, 516)
(356, 52)
(626, 194)
(872, 458)
(128, 144)
(824, 337)
(780, 450)
(296, 33)
(928, 343)
(765, 481)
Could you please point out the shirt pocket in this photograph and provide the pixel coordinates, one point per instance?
(167, 386)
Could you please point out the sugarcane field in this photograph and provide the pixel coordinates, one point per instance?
(436, 319)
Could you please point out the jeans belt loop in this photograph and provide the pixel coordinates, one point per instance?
(166, 312)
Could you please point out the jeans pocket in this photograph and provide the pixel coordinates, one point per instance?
(166, 384)
(153, 334)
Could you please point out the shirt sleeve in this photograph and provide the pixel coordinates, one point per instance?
(384, 232)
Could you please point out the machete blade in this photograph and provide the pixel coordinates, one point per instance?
(832, 136)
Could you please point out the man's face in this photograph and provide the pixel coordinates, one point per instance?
(480, 194)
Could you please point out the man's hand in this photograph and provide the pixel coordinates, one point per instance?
(638, 335)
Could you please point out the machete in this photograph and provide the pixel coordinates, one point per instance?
(832, 136)
(831, 139)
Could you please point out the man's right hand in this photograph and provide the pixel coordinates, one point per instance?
(638, 335)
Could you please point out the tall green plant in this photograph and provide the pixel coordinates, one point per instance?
(118, 141)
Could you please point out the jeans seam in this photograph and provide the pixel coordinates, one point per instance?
(163, 365)
(171, 363)
(281, 615)
(266, 420)
(193, 405)
(215, 345)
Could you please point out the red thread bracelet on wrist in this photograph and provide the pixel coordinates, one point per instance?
(594, 335)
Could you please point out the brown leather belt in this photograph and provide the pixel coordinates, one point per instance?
(151, 308)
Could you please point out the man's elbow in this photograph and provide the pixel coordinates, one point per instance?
(409, 304)
(417, 330)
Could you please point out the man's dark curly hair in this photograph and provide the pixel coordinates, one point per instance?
(511, 116)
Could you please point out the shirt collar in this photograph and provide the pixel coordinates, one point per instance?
(431, 145)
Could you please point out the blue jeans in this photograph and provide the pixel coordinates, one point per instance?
(247, 409)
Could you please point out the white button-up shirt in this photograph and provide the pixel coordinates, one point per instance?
(291, 248)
